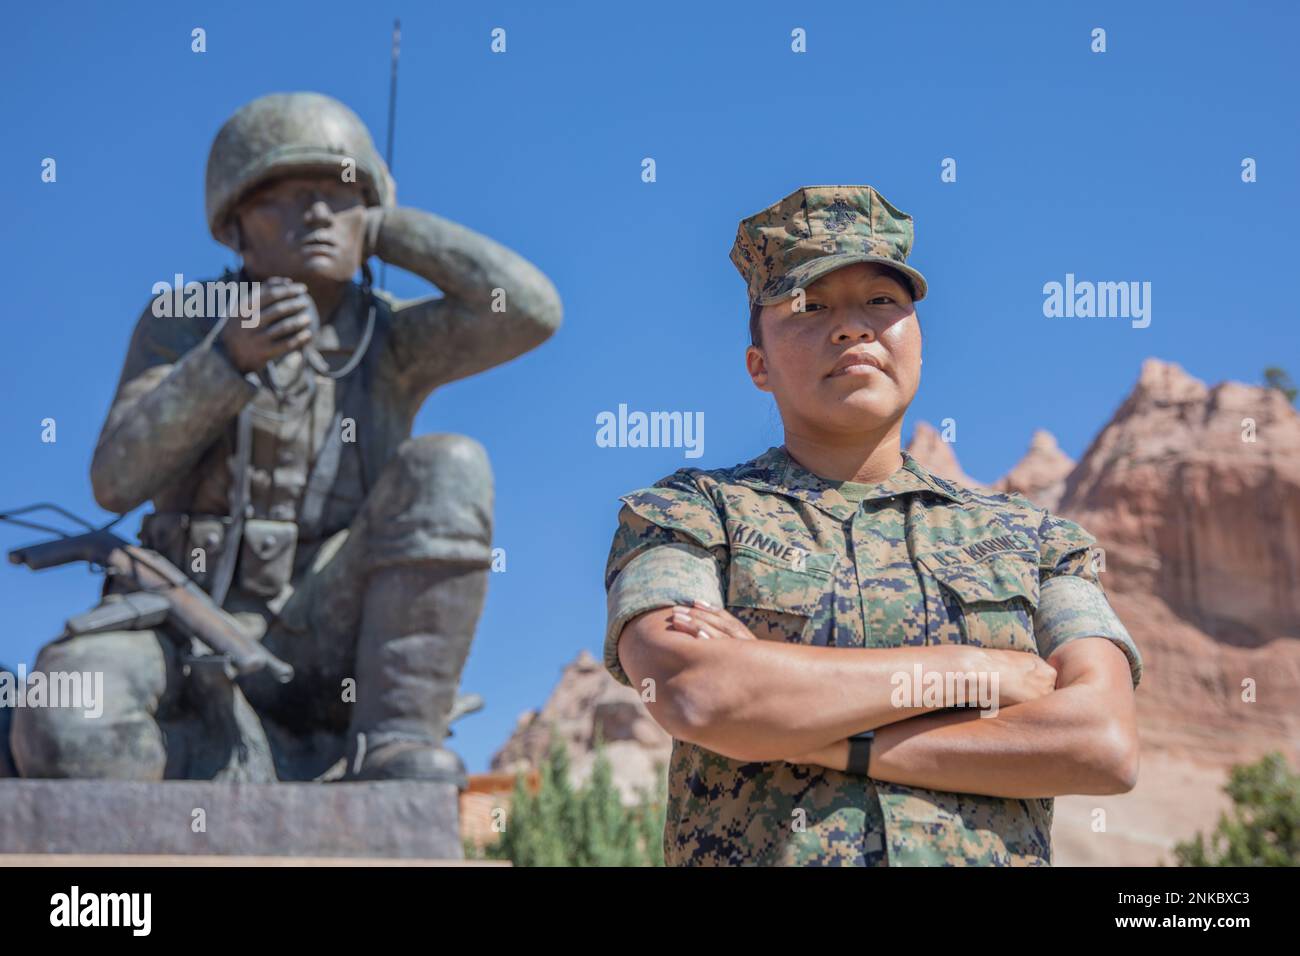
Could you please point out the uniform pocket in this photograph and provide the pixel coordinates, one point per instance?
(266, 556)
(778, 599)
(997, 595)
(933, 828)
(191, 542)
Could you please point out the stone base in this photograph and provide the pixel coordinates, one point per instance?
(391, 820)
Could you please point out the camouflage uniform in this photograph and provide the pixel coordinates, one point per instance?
(379, 575)
(912, 560)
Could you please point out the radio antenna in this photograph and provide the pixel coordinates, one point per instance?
(392, 115)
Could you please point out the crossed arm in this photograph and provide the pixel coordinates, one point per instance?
(762, 701)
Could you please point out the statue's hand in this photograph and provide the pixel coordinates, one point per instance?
(283, 324)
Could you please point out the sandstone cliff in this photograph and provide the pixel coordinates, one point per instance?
(587, 702)
(1040, 475)
(929, 448)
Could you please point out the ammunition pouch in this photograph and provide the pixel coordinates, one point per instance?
(195, 543)
(191, 542)
(266, 556)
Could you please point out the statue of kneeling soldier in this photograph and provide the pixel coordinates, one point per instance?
(278, 455)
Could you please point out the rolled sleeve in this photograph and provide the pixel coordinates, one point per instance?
(1070, 607)
(662, 576)
(1071, 601)
(669, 549)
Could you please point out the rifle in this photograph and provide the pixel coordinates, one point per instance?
(166, 594)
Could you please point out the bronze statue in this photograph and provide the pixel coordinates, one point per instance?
(277, 451)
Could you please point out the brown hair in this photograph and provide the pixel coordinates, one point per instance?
(755, 330)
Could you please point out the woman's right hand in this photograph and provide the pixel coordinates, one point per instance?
(1022, 676)
(703, 620)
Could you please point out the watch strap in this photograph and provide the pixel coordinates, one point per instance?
(860, 752)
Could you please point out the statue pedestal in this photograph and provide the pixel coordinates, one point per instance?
(394, 820)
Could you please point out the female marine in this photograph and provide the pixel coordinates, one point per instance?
(860, 663)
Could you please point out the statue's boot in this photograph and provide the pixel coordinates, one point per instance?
(427, 531)
(416, 631)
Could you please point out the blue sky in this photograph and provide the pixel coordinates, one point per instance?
(1122, 166)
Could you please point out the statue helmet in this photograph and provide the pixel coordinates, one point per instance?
(284, 133)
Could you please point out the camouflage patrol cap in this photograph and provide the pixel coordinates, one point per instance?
(285, 133)
(818, 229)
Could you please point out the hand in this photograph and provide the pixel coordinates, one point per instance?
(284, 323)
(705, 621)
(1021, 676)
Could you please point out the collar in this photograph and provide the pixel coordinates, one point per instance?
(340, 336)
(776, 472)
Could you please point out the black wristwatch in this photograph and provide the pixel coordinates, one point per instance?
(860, 752)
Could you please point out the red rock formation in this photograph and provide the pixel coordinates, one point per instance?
(1195, 493)
(1201, 530)
(587, 702)
(1040, 475)
(934, 453)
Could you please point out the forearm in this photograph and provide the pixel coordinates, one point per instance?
(1070, 741)
(1065, 742)
(162, 422)
(464, 264)
(495, 305)
(762, 700)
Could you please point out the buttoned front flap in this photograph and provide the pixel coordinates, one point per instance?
(779, 598)
(266, 559)
(997, 578)
(996, 591)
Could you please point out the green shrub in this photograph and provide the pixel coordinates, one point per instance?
(1264, 828)
(1277, 378)
(560, 826)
